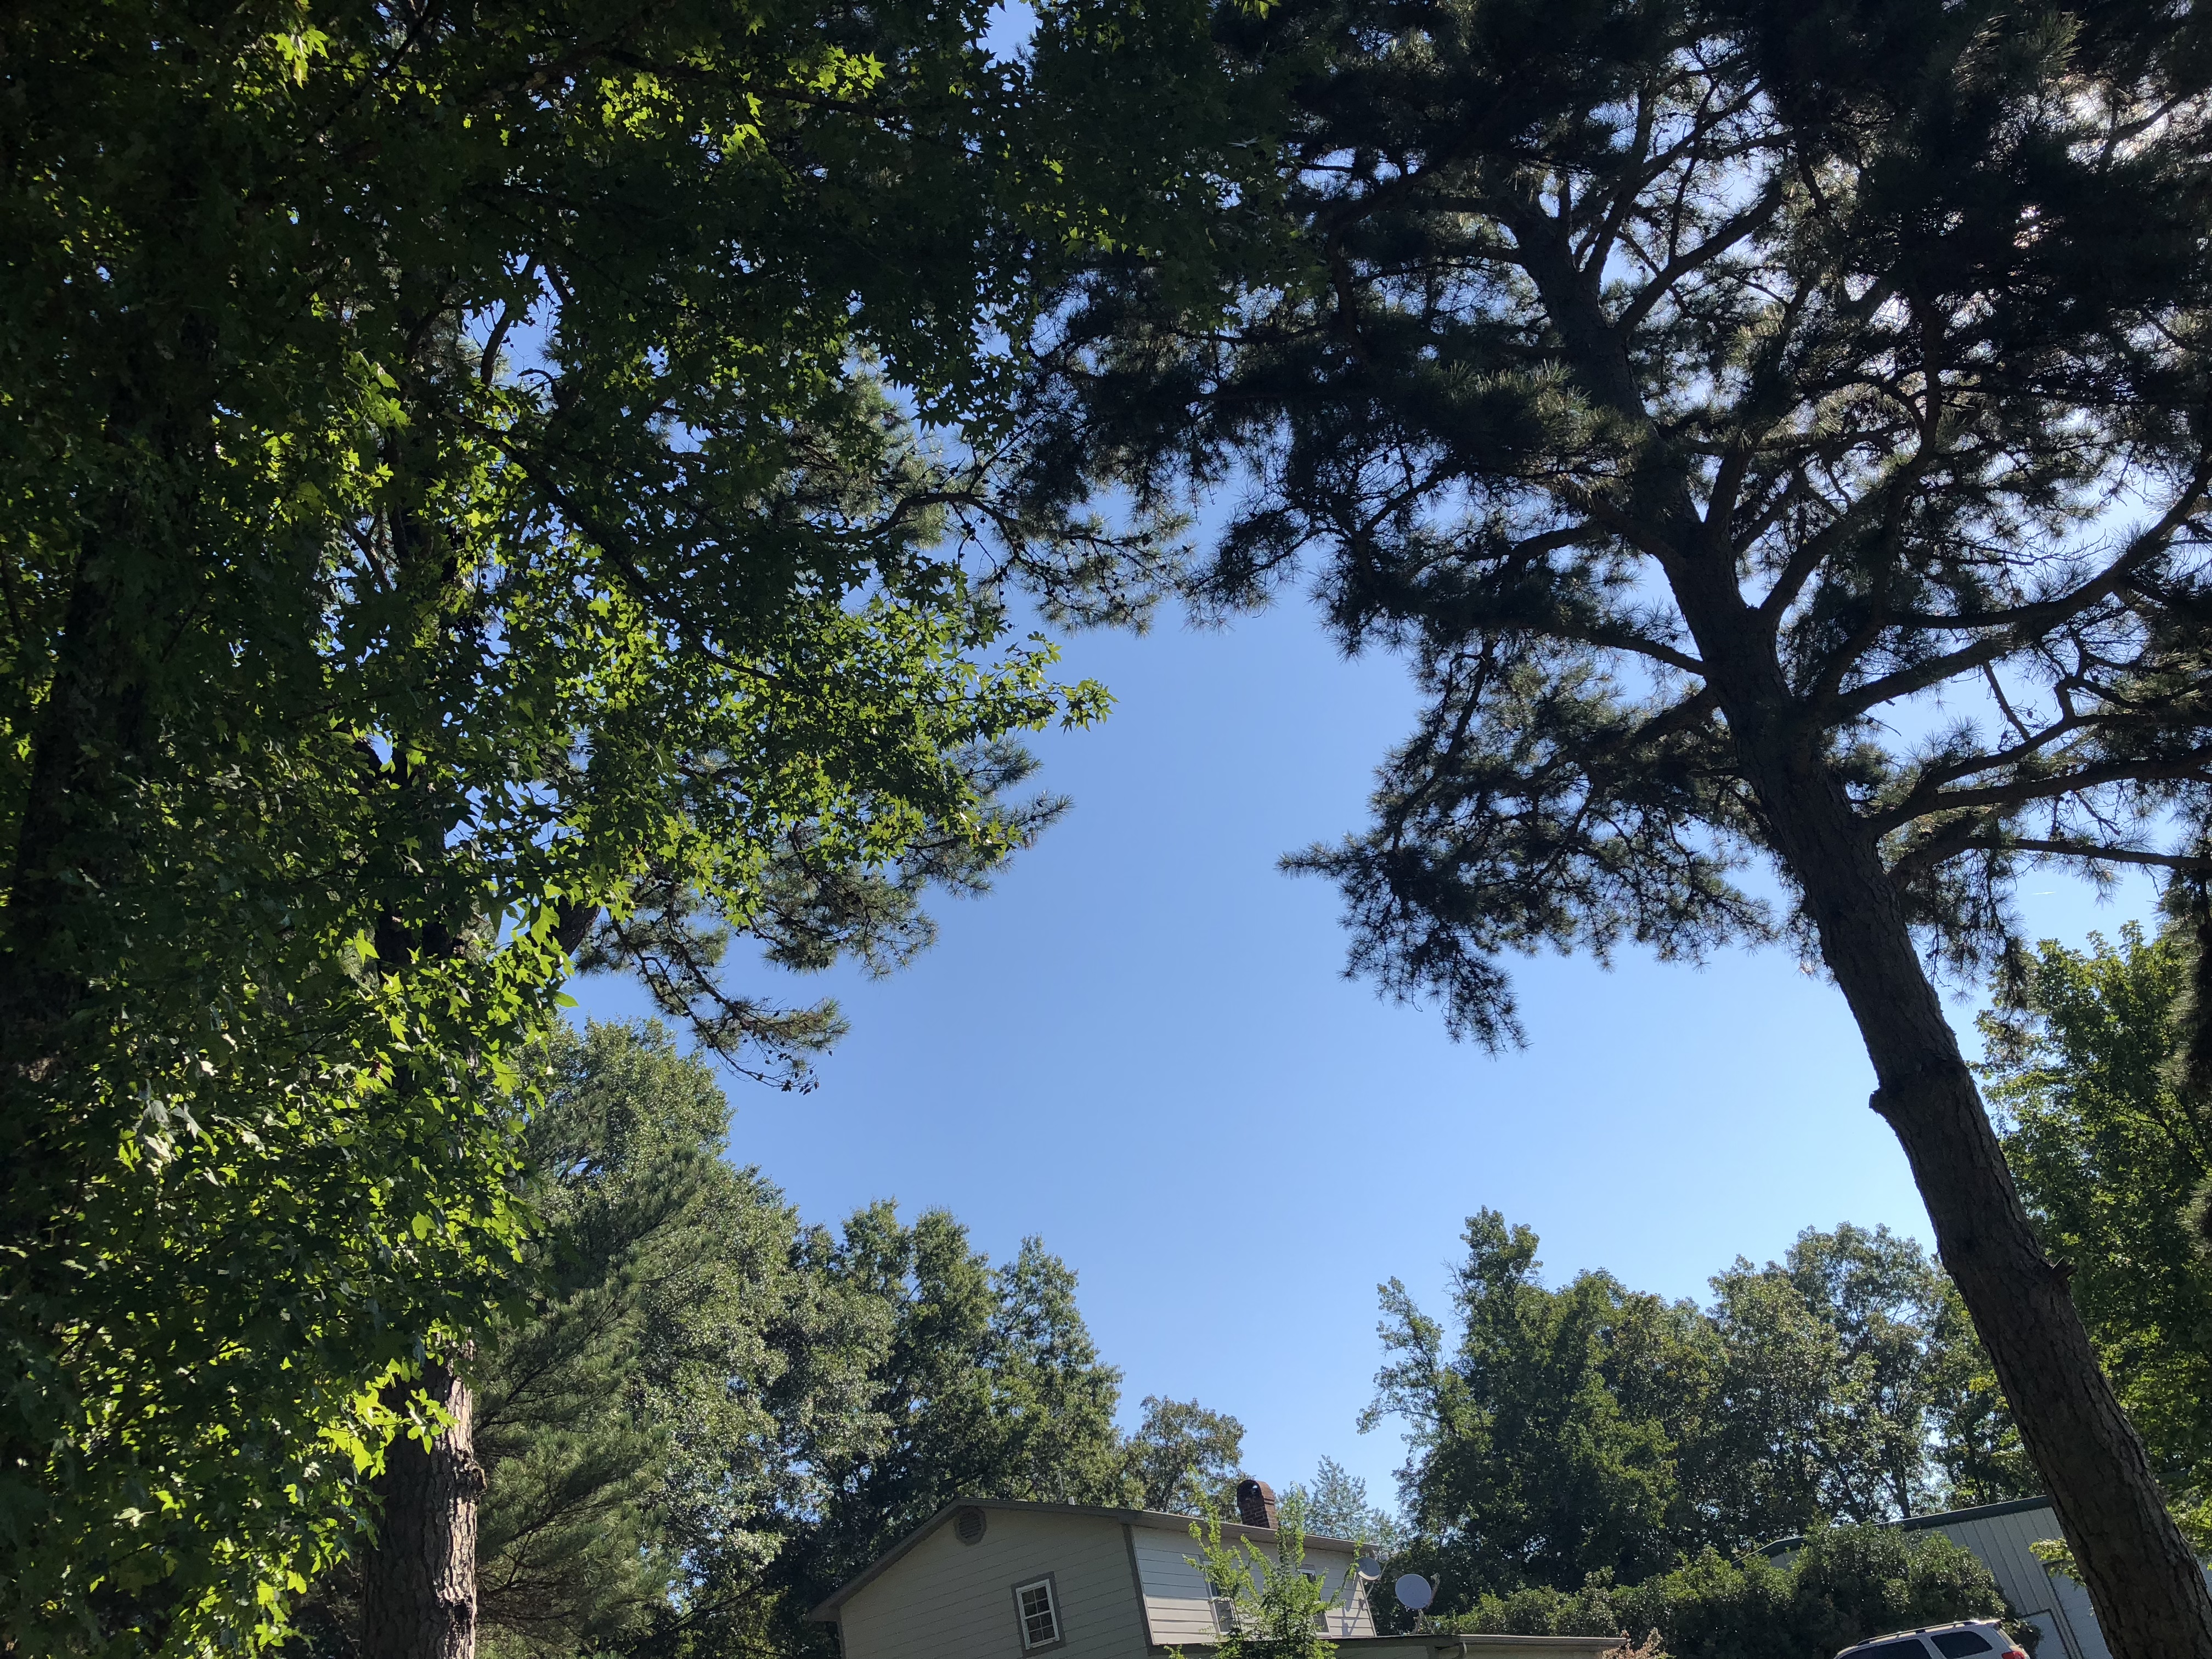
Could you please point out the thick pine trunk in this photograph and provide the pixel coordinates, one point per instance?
(2149, 1593)
(2151, 1597)
(419, 1584)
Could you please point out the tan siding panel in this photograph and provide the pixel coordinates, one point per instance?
(946, 1600)
(1179, 1606)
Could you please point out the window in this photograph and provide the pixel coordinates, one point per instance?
(1039, 1610)
(1907, 1648)
(1960, 1644)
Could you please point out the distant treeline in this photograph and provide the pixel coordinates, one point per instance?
(705, 1413)
(1588, 1457)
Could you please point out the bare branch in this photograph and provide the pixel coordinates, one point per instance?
(2025, 791)
(2023, 625)
(1729, 233)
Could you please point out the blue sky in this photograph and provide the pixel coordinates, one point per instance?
(1140, 1047)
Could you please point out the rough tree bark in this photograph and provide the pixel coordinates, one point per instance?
(2150, 1596)
(418, 1588)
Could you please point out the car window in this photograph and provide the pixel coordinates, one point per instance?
(1905, 1648)
(1958, 1643)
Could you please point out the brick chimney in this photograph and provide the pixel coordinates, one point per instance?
(1256, 1504)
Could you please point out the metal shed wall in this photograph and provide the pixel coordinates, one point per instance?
(2001, 1534)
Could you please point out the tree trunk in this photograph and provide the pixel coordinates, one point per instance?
(2151, 1597)
(418, 1597)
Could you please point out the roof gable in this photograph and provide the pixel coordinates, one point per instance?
(1150, 1520)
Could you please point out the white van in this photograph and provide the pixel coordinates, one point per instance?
(1972, 1638)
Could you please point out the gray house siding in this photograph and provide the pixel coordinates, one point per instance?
(947, 1600)
(1179, 1606)
(1122, 1587)
(2000, 1534)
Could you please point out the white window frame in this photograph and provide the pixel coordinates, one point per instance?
(1225, 1611)
(1051, 1588)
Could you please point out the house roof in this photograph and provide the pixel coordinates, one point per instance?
(1157, 1520)
(1922, 1522)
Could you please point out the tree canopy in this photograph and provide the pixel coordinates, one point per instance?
(708, 1414)
(464, 506)
(1589, 1429)
(1775, 434)
(1184, 1458)
(2109, 1143)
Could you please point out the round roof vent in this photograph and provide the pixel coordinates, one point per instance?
(967, 1525)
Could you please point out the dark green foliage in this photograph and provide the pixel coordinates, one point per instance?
(1846, 1583)
(637, 1430)
(1544, 1441)
(1183, 1458)
(2108, 1144)
(456, 494)
(1851, 1388)
(647, 1422)
(710, 1415)
(987, 1385)
(1589, 1430)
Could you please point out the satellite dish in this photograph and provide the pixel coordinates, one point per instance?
(1369, 1569)
(1414, 1593)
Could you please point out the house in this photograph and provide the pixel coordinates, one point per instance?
(998, 1579)
(2000, 1535)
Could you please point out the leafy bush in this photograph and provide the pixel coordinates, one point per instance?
(1847, 1584)
(1277, 1609)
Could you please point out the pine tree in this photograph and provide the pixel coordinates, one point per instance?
(988, 1385)
(1775, 432)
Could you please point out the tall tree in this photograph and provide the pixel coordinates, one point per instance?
(1183, 1458)
(653, 1420)
(448, 525)
(633, 1425)
(1775, 431)
(1334, 1504)
(1850, 1388)
(1558, 1433)
(706, 1414)
(2107, 1145)
(989, 1385)
(1544, 1436)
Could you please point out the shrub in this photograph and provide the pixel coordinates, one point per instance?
(1847, 1584)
